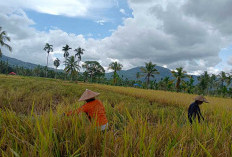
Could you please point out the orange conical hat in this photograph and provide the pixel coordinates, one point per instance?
(88, 94)
(201, 98)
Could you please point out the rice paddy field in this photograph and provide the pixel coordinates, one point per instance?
(141, 122)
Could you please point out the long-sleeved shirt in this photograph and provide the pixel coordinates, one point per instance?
(194, 110)
(95, 110)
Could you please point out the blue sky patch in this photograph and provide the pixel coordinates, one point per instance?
(96, 27)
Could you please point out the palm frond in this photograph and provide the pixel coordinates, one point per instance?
(143, 70)
(7, 38)
(8, 47)
(3, 33)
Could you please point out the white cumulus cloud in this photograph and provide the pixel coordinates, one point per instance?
(61, 7)
(164, 32)
(122, 11)
(229, 61)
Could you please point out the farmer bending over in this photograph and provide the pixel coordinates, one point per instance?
(93, 108)
(194, 109)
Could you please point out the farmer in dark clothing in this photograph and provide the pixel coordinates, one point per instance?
(194, 109)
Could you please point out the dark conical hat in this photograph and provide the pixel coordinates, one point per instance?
(88, 94)
(201, 98)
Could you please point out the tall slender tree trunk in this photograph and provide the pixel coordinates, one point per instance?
(7, 67)
(222, 84)
(56, 73)
(78, 62)
(77, 77)
(115, 77)
(148, 80)
(65, 67)
(47, 66)
(91, 77)
(79, 66)
(178, 84)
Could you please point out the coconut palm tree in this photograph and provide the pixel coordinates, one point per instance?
(66, 48)
(149, 71)
(228, 80)
(222, 78)
(189, 85)
(204, 81)
(167, 83)
(115, 66)
(179, 74)
(213, 84)
(138, 76)
(222, 87)
(71, 66)
(56, 64)
(79, 51)
(48, 48)
(3, 39)
(85, 76)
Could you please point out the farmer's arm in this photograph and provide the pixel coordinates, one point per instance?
(199, 115)
(77, 111)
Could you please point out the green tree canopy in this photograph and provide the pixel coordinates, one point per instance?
(149, 71)
(72, 67)
(179, 74)
(94, 69)
(66, 48)
(3, 39)
(204, 81)
(48, 48)
(115, 66)
(79, 51)
(138, 76)
(56, 64)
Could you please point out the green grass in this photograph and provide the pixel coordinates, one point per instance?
(31, 122)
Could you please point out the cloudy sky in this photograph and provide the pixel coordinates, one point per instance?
(194, 34)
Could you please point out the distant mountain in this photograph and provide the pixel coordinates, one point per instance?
(131, 74)
(26, 65)
(16, 62)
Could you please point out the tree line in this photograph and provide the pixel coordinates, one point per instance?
(218, 85)
(206, 84)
